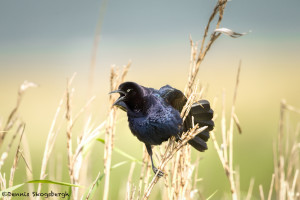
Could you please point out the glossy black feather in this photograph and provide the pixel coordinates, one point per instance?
(200, 110)
(154, 115)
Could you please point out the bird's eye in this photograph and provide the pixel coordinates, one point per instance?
(128, 90)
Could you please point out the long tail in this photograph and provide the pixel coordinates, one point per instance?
(203, 115)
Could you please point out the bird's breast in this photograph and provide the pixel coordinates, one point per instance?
(157, 126)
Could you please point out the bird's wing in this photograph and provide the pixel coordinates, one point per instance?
(173, 97)
(200, 110)
(177, 100)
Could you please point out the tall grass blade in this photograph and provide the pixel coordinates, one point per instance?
(10, 189)
(90, 192)
(53, 182)
(119, 151)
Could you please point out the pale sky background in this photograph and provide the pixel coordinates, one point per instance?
(49, 35)
(47, 41)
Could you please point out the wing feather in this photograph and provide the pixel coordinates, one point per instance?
(200, 110)
(173, 97)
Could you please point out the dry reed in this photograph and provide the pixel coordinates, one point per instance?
(182, 168)
(130, 188)
(116, 79)
(9, 146)
(198, 57)
(49, 144)
(13, 120)
(13, 115)
(286, 158)
(95, 46)
(75, 154)
(28, 161)
(75, 157)
(225, 152)
(250, 190)
(16, 159)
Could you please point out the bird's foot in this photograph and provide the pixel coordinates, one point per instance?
(160, 173)
(179, 138)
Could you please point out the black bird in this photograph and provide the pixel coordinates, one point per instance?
(154, 115)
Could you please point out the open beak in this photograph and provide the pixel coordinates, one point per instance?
(120, 101)
(117, 91)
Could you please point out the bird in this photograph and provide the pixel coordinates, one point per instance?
(154, 115)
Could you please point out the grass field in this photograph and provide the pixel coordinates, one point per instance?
(61, 127)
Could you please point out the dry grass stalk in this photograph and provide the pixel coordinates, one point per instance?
(271, 187)
(196, 179)
(13, 115)
(116, 79)
(224, 130)
(52, 175)
(148, 171)
(75, 160)
(193, 97)
(79, 167)
(26, 163)
(94, 184)
(261, 192)
(226, 152)
(12, 121)
(96, 45)
(233, 185)
(85, 140)
(50, 143)
(2, 181)
(181, 166)
(250, 190)
(145, 173)
(16, 160)
(69, 118)
(130, 187)
(170, 153)
(51, 139)
(286, 159)
(8, 148)
(27, 159)
(196, 59)
(74, 174)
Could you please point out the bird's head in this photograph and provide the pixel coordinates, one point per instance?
(131, 96)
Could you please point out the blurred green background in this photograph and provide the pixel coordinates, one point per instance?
(47, 41)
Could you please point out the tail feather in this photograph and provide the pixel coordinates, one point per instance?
(210, 124)
(204, 135)
(198, 144)
(200, 106)
(203, 115)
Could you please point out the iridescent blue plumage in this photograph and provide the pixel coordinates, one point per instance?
(157, 124)
(154, 115)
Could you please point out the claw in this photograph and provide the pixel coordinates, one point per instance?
(178, 138)
(160, 173)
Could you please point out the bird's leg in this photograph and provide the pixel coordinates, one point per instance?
(149, 150)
